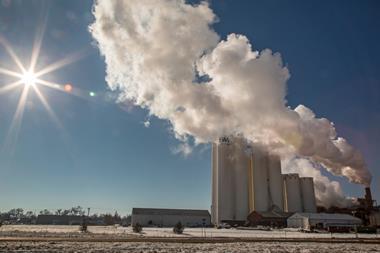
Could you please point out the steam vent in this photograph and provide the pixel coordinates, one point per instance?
(245, 180)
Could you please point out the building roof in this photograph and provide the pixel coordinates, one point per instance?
(54, 216)
(326, 216)
(273, 214)
(160, 211)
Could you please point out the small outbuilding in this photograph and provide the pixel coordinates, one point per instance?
(269, 219)
(327, 221)
(169, 217)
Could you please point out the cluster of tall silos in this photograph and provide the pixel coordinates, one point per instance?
(246, 180)
(299, 194)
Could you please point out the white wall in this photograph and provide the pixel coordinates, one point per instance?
(169, 220)
(300, 221)
(296, 221)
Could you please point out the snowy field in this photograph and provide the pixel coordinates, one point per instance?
(118, 231)
(104, 232)
(67, 247)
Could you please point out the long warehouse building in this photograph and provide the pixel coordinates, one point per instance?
(246, 180)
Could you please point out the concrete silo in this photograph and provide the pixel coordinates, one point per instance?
(223, 207)
(266, 182)
(276, 195)
(260, 181)
(292, 193)
(240, 174)
(308, 195)
(229, 180)
(214, 183)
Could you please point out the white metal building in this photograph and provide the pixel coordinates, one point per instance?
(170, 217)
(322, 220)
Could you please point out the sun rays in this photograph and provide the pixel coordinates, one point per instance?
(12, 136)
(29, 79)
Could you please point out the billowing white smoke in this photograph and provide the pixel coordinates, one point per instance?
(164, 56)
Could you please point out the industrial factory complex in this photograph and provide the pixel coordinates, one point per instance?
(246, 180)
(248, 189)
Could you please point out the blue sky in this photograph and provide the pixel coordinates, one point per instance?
(107, 160)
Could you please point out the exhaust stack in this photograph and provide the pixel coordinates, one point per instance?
(368, 198)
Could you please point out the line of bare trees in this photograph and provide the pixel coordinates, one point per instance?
(19, 215)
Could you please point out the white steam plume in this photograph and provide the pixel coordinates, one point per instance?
(164, 56)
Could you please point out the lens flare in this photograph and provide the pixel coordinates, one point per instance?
(68, 88)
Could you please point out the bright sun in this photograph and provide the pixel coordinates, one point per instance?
(31, 81)
(29, 78)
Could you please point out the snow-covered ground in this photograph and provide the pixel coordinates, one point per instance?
(102, 232)
(48, 230)
(270, 247)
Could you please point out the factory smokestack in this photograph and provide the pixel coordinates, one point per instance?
(368, 198)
